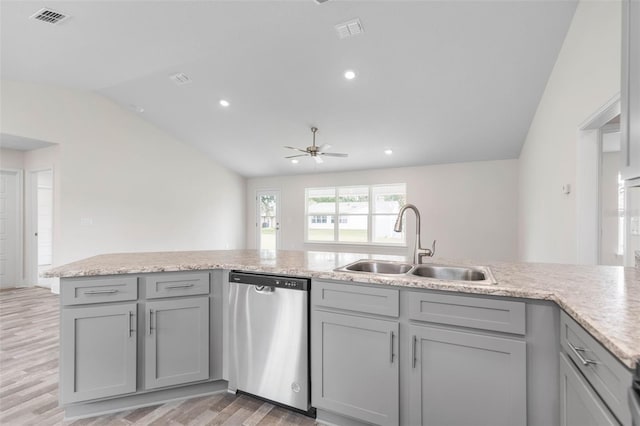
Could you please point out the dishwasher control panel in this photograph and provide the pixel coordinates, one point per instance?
(291, 283)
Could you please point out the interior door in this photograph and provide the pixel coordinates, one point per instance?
(268, 220)
(10, 226)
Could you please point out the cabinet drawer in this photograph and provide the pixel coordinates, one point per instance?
(378, 301)
(172, 285)
(579, 404)
(464, 311)
(610, 379)
(98, 290)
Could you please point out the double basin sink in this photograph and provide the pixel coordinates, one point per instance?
(476, 274)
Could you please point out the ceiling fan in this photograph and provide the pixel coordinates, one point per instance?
(315, 151)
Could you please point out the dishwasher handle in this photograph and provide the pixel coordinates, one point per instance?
(264, 289)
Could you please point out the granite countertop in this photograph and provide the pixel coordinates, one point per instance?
(605, 300)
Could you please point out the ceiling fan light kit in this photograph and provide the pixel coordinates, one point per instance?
(314, 151)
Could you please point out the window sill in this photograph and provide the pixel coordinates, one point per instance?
(355, 244)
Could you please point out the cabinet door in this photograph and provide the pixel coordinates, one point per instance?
(630, 90)
(355, 368)
(176, 342)
(462, 378)
(98, 350)
(579, 404)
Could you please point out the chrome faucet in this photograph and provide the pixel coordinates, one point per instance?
(418, 252)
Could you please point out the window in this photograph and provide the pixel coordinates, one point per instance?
(365, 214)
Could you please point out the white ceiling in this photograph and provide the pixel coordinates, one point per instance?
(438, 82)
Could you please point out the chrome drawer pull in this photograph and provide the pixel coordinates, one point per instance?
(179, 286)
(578, 351)
(100, 291)
(150, 327)
(413, 351)
(131, 329)
(392, 354)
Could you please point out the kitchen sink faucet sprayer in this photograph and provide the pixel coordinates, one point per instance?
(418, 252)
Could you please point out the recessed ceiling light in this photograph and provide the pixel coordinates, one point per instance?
(294, 161)
(388, 151)
(224, 103)
(349, 75)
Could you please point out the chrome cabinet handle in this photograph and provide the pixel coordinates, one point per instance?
(392, 354)
(413, 351)
(179, 286)
(100, 291)
(578, 351)
(131, 329)
(150, 328)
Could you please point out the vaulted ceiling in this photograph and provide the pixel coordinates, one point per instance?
(436, 81)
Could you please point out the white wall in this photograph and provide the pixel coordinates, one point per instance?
(470, 208)
(11, 159)
(585, 76)
(120, 183)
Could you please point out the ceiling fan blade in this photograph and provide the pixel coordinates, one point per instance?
(297, 149)
(298, 155)
(318, 159)
(334, 154)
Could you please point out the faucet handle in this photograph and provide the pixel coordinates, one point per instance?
(433, 248)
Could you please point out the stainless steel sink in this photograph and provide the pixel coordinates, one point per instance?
(476, 274)
(449, 273)
(377, 267)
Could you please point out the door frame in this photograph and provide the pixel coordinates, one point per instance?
(20, 269)
(260, 192)
(588, 159)
(31, 226)
(607, 128)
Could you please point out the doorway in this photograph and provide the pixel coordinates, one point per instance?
(11, 270)
(268, 220)
(39, 225)
(611, 198)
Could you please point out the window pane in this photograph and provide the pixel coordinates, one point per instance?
(320, 228)
(352, 229)
(389, 198)
(354, 199)
(321, 200)
(383, 230)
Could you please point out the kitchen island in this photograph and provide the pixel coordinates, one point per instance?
(604, 301)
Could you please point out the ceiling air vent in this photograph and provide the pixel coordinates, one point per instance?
(349, 28)
(49, 16)
(180, 79)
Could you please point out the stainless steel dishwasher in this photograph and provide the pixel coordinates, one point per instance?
(269, 338)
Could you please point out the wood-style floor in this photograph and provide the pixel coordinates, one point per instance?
(29, 322)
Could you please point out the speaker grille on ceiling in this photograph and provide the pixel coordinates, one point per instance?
(49, 16)
(180, 78)
(349, 28)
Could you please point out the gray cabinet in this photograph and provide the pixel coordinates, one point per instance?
(176, 343)
(606, 379)
(464, 378)
(630, 90)
(355, 366)
(98, 349)
(579, 404)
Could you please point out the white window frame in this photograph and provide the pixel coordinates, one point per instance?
(337, 214)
